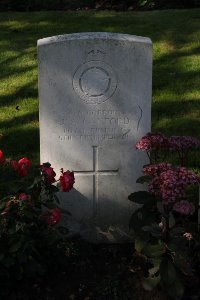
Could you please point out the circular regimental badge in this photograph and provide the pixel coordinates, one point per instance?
(95, 82)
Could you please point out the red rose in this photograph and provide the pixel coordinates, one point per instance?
(23, 166)
(66, 180)
(49, 174)
(24, 197)
(1, 155)
(53, 217)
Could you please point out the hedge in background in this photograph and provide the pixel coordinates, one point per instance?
(28, 5)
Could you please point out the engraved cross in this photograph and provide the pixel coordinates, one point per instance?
(95, 172)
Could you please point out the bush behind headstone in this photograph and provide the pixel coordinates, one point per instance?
(29, 5)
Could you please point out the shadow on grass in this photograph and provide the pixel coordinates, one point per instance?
(17, 120)
(26, 140)
(170, 76)
(24, 92)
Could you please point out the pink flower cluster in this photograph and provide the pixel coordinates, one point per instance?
(152, 141)
(156, 142)
(184, 207)
(170, 183)
(181, 143)
(156, 169)
(188, 236)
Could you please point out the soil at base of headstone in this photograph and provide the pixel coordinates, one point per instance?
(98, 272)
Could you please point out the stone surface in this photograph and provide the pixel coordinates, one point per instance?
(95, 103)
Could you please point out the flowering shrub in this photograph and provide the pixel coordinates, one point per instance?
(171, 183)
(48, 174)
(152, 144)
(31, 241)
(165, 226)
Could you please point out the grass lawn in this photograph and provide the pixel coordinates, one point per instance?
(176, 68)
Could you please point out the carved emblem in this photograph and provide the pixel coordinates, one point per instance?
(94, 81)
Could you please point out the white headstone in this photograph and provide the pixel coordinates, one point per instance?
(95, 103)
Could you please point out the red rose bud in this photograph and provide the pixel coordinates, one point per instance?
(54, 216)
(24, 197)
(23, 166)
(49, 174)
(1, 155)
(66, 180)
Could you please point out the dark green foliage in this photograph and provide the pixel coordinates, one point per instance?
(29, 5)
(165, 4)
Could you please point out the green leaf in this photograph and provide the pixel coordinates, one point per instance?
(167, 271)
(141, 197)
(53, 189)
(143, 179)
(156, 265)
(140, 243)
(154, 250)
(150, 283)
(35, 183)
(154, 230)
(136, 220)
(2, 206)
(155, 261)
(154, 270)
(142, 217)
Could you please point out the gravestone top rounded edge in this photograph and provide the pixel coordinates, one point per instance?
(94, 35)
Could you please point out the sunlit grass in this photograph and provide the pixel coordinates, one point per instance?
(176, 68)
